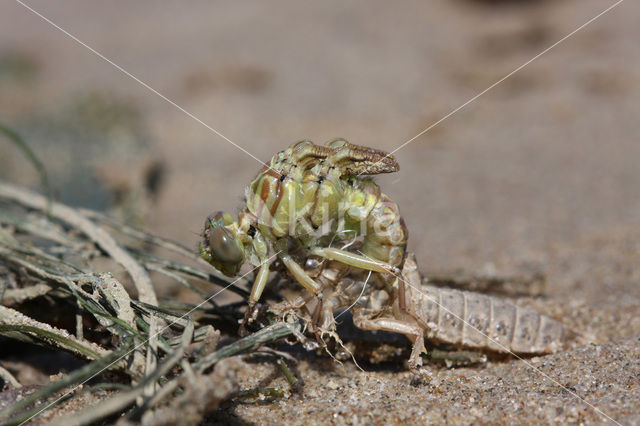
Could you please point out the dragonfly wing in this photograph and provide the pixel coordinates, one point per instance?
(355, 160)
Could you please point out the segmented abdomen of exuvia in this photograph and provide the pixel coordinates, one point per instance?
(299, 203)
(479, 321)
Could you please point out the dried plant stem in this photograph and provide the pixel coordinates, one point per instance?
(74, 378)
(179, 280)
(287, 373)
(253, 341)
(51, 256)
(144, 236)
(98, 235)
(102, 238)
(37, 225)
(19, 295)
(8, 378)
(124, 399)
(148, 260)
(33, 159)
(16, 324)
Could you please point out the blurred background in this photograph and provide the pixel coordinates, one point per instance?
(533, 171)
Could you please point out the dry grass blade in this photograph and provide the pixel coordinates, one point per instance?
(18, 325)
(71, 216)
(17, 140)
(78, 376)
(123, 399)
(19, 295)
(144, 236)
(8, 377)
(253, 341)
(150, 260)
(47, 259)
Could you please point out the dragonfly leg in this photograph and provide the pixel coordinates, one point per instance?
(300, 275)
(256, 291)
(357, 260)
(412, 331)
(306, 281)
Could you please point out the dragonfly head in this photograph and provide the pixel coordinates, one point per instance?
(221, 245)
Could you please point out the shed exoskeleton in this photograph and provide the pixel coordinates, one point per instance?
(439, 315)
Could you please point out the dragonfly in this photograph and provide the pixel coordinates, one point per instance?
(345, 242)
(308, 198)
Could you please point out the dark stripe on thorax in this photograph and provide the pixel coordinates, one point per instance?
(276, 202)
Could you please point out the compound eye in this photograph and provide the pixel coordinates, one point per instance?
(224, 247)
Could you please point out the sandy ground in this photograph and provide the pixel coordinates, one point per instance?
(540, 173)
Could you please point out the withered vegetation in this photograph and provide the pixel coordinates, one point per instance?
(160, 354)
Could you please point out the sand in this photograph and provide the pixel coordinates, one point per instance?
(539, 174)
